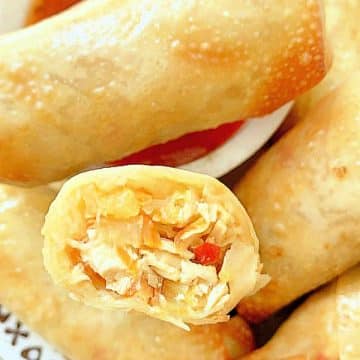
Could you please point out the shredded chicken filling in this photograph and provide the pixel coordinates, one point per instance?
(137, 245)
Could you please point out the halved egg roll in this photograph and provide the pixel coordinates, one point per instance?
(325, 327)
(81, 332)
(108, 78)
(172, 244)
(303, 198)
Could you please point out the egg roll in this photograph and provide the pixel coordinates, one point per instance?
(81, 332)
(172, 244)
(326, 326)
(303, 198)
(108, 78)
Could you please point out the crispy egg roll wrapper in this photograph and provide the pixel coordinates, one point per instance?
(131, 238)
(79, 331)
(325, 327)
(343, 34)
(303, 198)
(106, 78)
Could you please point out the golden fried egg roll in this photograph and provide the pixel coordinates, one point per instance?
(108, 78)
(81, 332)
(172, 244)
(303, 196)
(325, 327)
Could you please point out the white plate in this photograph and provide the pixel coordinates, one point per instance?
(16, 341)
(250, 138)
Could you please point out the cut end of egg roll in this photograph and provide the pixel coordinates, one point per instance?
(82, 332)
(175, 245)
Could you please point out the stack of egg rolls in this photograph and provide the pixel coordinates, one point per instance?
(107, 78)
(303, 198)
(326, 326)
(172, 244)
(81, 332)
